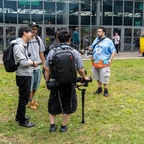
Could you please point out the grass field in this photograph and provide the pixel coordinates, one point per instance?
(117, 119)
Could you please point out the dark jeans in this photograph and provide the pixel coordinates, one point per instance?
(117, 47)
(23, 82)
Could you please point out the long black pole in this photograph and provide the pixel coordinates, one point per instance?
(83, 100)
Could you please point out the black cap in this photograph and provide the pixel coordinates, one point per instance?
(33, 24)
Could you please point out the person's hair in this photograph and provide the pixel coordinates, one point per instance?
(103, 29)
(64, 36)
(23, 29)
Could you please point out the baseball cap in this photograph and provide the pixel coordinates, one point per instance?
(33, 24)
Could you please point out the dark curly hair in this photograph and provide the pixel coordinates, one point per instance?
(64, 36)
(23, 29)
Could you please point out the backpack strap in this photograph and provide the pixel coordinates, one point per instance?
(66, 48)
(38, 40)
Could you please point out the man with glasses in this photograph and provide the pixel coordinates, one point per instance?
(36, 51)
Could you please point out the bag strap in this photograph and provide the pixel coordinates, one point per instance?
(37, 41)
(99, 41)
(37, 38)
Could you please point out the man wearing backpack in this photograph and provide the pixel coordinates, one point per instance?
(53, 44)
(63, 98)
(23, 73)
(36, 50)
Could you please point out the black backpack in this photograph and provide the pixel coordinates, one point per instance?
(47, 50)
(8, 59)
(62, 66)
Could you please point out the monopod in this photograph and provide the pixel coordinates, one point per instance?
(83, 101)
(83, 91)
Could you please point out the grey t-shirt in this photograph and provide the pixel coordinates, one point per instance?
(34, 49)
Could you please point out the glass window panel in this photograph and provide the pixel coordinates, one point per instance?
(118, 13)
(96, 12)
(37, 11)
(71, 29)
(107, 12)
(93, 34)
(23, 12)
(49, 35)
(73, 13)
(137, 34)
(85, 12)
(1, 11)
(127, 38)
(1, 39)
(62, 12)
(128, 13)
(10, 34)
(10, 11)
(85, 36)
(108, 33)
(138, 14)
(49, 13)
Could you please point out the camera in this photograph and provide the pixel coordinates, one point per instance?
(52, 84)
(84, 82)
(83, 51)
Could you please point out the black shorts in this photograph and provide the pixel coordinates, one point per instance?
(68, 100)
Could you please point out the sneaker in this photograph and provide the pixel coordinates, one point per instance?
(63, 128)
(53, 128)
(105, 92)
(98, 91)
(34, 102)
(32, 106)
(27, 124)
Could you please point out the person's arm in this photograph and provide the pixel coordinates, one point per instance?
(82, 74)
(111, 57)
(41, 51)
(47, 73)
(20, 56)
(42, 59)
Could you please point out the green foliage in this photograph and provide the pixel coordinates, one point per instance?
(117, 119)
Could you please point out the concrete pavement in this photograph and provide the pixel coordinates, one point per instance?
(121, 55)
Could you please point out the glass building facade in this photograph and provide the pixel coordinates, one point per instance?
(124, 16)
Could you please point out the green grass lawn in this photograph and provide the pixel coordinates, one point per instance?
(117, 119)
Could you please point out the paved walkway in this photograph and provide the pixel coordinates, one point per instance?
(121, 55)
